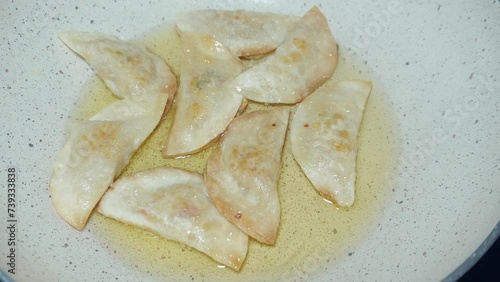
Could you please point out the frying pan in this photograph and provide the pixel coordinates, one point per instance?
(435, 105)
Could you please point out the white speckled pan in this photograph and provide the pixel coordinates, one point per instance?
(436, 70)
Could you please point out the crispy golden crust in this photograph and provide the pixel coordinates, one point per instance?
(330, 119)
(204, 106)
(98, 149)
(174, 204)
(304, 61)
(242, 173)
(245, 33)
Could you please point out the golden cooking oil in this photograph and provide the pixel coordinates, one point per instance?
(313, 233)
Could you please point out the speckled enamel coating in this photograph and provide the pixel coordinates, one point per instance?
(437, 63)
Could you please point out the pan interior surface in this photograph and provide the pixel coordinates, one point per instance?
(428, 163)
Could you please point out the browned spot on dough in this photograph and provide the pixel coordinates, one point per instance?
(344, 133)
(144, 212)
(196, 110)
(338, 116)
(293, 58)
(193, 84)
(133, 60)
(316, 124)
(341, 146)
(300, 43)
(327, 194)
